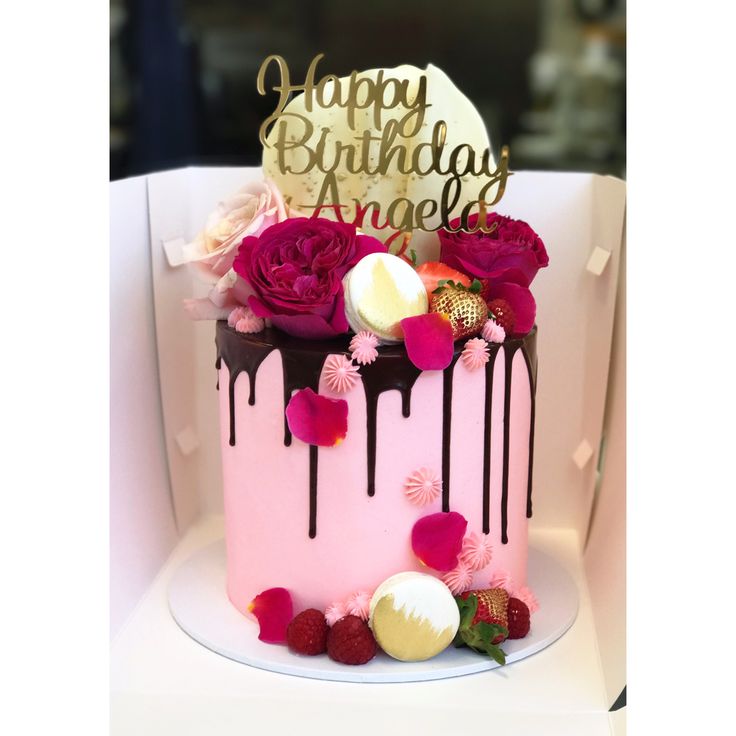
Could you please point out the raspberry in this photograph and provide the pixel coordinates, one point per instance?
(518, 619)
(503, 313)
(307, 632)
(350, 641)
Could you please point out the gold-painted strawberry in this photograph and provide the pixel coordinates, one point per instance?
(465, 307)
(484, 621)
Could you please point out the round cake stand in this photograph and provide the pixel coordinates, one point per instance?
(200, 606)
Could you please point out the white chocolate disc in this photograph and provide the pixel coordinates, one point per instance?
(413, 616)
(380, 291)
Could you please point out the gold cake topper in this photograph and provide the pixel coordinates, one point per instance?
(378, 151)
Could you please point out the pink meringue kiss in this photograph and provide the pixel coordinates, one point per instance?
(422, 487)
(363, 347)
(335, 611)
(359, 604)
(502, 579)
(458, 580)
(242, 319)
(340, 373)
(493, 332)
(475, 353)
(477, 551)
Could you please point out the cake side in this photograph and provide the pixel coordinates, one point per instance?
(327, 522)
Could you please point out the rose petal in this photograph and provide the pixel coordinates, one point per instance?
(428, 339)
(521, 300)
(367, 244)
(317, 420)
(437, 539)
(274, 610)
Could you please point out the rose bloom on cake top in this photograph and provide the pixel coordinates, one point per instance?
(316, 279)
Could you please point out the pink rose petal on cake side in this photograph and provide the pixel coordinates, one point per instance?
(317, 420)
(274, 610)
(428, 340)
(437, 539)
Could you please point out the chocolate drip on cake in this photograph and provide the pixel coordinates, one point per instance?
(240, 354)
(302, 362)
(302, 369)
(447, 377)
(509, 351)
(392, 370)
(487, 420)
(313, 458)
(528, 347)
(532, 372)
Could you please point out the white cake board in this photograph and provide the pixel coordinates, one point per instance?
(200, 606)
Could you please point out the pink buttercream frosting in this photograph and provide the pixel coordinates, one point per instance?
(493, 332)
(359, 604)
(335, 612)
(363, 347)
(475, 353)
(477, 551)
(340, 374)
(459, 580)
(243, 320)
(525, 595)
(423, 486)
(362, 540)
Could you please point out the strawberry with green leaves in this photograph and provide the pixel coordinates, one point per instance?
(483, 621)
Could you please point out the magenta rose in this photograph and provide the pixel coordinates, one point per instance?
(511, 253)
(296, 268)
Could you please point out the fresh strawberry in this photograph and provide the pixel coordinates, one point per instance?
(518, 614)
(433, 272)
(503, 314)
(350, 641)
(307, 632)
(485, 289)
(483, 621)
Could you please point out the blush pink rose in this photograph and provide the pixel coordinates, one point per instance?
(512, 253)
(249, 211)
(295, 270)
(253, 208)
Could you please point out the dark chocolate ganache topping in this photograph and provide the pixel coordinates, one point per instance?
(392, 370)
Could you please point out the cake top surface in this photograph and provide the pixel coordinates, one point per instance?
(375, 225)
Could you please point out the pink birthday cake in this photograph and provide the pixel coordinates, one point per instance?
(376, 377)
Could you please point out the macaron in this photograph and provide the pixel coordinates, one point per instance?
(380, 291)
(413, 616)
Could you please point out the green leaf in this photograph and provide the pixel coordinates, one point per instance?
(468, 608)
(476, 286)
(439, 290)
(413, 256)
(496, 653)
(458, 642)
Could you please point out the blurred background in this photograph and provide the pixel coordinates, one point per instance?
(548, 76)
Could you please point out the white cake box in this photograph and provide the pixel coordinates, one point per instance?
(166, 497)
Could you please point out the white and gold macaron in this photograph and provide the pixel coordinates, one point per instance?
(380, 291)
(413, 616)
